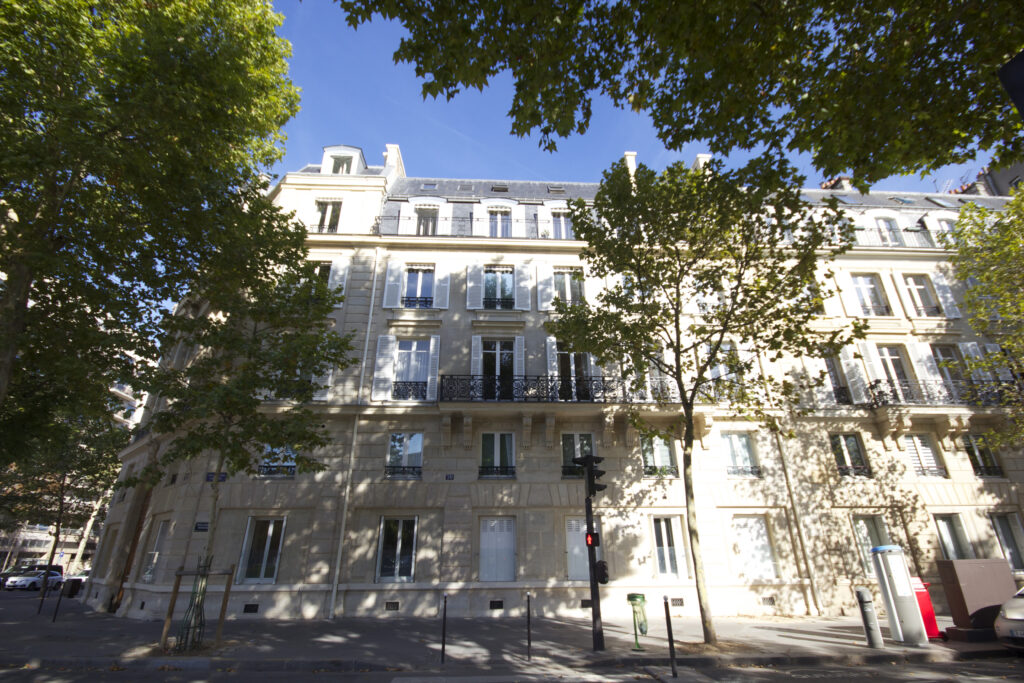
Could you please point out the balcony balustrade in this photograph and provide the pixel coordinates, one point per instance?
(988, 470)
(744, 471)
(572, 472)
(552, 388)
(931, 472)
(662, 471)
(276, 470)
(409, 391)
(403, 471)
(912, 239)
(417, 302)
(854, 470)
(497, 471)
(939, 392)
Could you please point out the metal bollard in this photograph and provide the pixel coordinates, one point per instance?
(870, 619)
(671, 640)
(529, 630)
(444, 625)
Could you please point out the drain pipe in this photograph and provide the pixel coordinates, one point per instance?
(355, 438)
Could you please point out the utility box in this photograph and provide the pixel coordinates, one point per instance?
(905, 624)
(975, 589)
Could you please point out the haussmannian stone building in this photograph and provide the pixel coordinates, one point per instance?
(449, 465)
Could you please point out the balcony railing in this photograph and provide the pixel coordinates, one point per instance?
(417, 302)
(876, 310)
(403, 471)
(552, 388)
(663, 471)
(744, 470)
(939, 392)
(409, 391)
(928, 311)
(276, 470)
(913, 239)
(854, 470)
(572, 472)
(931, 471)
(988, 470)
(497, 471)
(494, 303)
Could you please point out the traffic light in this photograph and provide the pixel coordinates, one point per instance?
(593, 539)
(601, 571)
(593, 474)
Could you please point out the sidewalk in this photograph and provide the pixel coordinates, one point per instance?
(81, 638)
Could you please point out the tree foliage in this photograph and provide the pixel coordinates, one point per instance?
(134, 135)
(988, 249)
(713, 271)
(875, 88)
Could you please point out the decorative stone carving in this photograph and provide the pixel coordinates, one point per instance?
(467, 431)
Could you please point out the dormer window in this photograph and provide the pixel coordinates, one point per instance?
(341, 165)
(499, 188)
(428, 186)
(556, 189)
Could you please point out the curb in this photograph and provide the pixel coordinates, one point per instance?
(194, 664)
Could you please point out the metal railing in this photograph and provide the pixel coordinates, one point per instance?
(572, 472)
(912, 239)
(463, 226)
(552, 388)
(928, 311)
(417, 302)
(931, 471)
(495, 303)
(662, 471)
(987, 470)
(745, 470)
(409, 391)
(497, 470)
(878, 310)
(854, 470)
(939, 392)
(276, 470)
(403, 471)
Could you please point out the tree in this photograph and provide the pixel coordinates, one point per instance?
(988, 248)
(134, 135)
(715, 269)
(875, 88)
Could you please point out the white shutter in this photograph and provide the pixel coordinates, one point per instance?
(444, 218)
(321, 394)
(519, 356)
(576, 549)
(592, 287)
(522, 286)
(831, 302)
(434, 367)
(480, 226)
(924, 362)
(945, 294)
(595, 369)
(755, 559)
(854, 372)
(872, 361)
(519, 221)
(906, 300)
(442, 285)
(474, 286)
(384, 370)
(848, 294)
(823, 394)
(393, 284)
(497, 549)
(544, 222)
(972, 351)
(889, 293)
(476, 360)
(339, 273)
(1002, 370)
(551, 344)
(545, 286)
(406, 219)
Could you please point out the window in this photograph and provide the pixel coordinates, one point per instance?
(497, 455)
(578, 568)
(330, 214)
(262, 549)
(405, 456)
(498, 367)
(397, 551)
(753, 548)
(322, 269)
(888, 232)
(897, 385)
(849, 455)
(497, 549)
(870, 532)
(922, 296)
(341, 165)
(742, 461)
(658, 460)
(870, 296)
(406, 369)
(277, 462)
(562, 225)
(499, 283)
(1010, 537)
(922, 457)
(153, 556)
(840, 391)
(950, 365)
(575, 446)
(499, 223)
(426, 221)
(573, 375)
(952, 539)
(670, 548)
(569, 285)
(980, 455)
(411, 369)
(419, 286)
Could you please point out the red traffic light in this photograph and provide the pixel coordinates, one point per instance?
(593, 539)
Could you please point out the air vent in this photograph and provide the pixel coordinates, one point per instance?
(251, 608)
(391, 606)
(202, 526)
(556, 189)
(586, 604)
(499, 188)
(768, 601)
(677, 602)
(497, 604)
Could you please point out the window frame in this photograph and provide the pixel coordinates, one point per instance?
(840, 445)
(870, 295)
(958, 537)
(569, 470)
(1016, 532)
(676, 526)
(752, 468)
(923, 297)
(397, 578)
(250, 529)
(881, 529)
(498, 273)
(329, 208)
(498, 443)
(403, 466)
(650, 447)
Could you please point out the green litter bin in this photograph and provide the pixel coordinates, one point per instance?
(638, 602)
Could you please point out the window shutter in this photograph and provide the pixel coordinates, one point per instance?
(945, 295)
(873, 363)
(595, 369)
(906, 300)
(576, 550)
(393, 284)
(924, 362)
(476, 359)
(522, 286)
(972, 352)
(474, 286)
(384, 370)
(854, 372)
(444, 219)
(518, 221)
(1002, 370)
(442, 285)
(519, 356)
(321, 394)
(848, 294)
(339, 273)
(889, 293)
(497, 549)
(480, 224)
(545, 286)
(833, 305)
(544, 224)
(823, 394)
(552, 349)
(592, 287)
(434, 367)
(406, 219)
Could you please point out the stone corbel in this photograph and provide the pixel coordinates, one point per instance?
(527, 430)
(630, 435)
(549, 431)
(892, 424)
(608, 430)
(467, 431)
(446, 430)
(950, 428)
(702, 424)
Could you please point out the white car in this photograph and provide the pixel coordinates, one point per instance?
(34, 581)
(1010, 622)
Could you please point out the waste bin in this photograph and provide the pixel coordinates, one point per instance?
(924, 602)
(71, 587)
(638, 602)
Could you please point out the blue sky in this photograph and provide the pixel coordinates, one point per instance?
(353, 93)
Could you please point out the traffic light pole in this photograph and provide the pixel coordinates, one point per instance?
(595, 595)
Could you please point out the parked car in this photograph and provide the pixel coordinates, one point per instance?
(34, 581)
(1010, 623)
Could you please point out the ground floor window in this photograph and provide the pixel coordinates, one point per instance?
(870, 532)
(952, 538)
(497, 549)
(397, 551)
(153, 556)
(576, 547)
(670, 547)
(262, 549)
(1009, 533)
(753, 547)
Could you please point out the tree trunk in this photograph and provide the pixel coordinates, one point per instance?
(76, 564)
(214, 500)
(56, 541)
(710, 637)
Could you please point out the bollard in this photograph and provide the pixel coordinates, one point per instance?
(870, 619)
(529, 632)
(671, 641)
(444, 625)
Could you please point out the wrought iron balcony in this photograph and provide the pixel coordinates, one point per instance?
(928, 311)
(877, 310)
(744, 470)
(498, 471)
(276, 470)
(417, 302)
(939, 392)
(931, 471)
(874, 237)
(552, 388)
(499, 303)
(854, 470)
(409, 391)
(664, 471)
(572, 472)
(403, 471)
(988, 470)
(842, 396)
